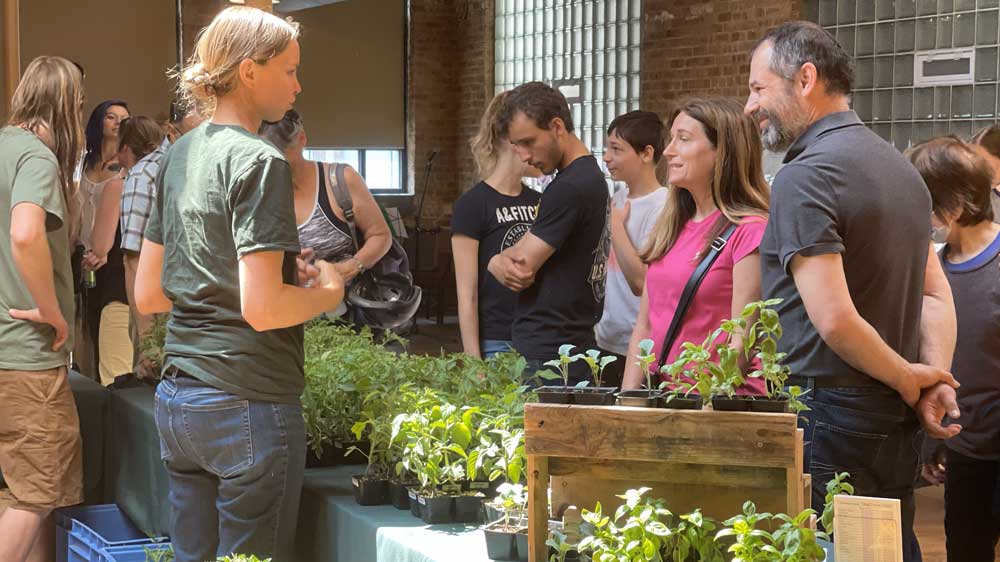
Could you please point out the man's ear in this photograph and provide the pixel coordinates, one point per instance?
(807, 79)
(648, 154)
(557, 126)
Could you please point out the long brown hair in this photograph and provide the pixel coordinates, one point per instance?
(47, 102)
(738, 186)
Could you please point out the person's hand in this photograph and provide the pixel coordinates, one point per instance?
(510, 273)
(348, 269)
(918, 377)
(936, 469)
(306, 270)
(54, 319)
(92, 261)
(619, 216)
(329, 278)
(936, 402)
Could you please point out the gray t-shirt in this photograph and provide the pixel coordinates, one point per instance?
(621, 306)
(29, 173)
(975, 285)
(845, 190)
(224, 193)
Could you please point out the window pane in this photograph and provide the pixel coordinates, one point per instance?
(383, 170)
(334, 155)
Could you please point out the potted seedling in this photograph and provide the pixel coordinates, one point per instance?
(559, 394)
(638, 531)
(795, 539)
(750, 543)
(501, 534)
(596, 395)
(560, 549)
(647, 397)
(763, 336)
(837, 486)
(694, 540)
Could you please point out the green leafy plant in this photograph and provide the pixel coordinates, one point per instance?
(645, 359)
(512, 501)
(435, 445)
(795, 540)
(153, 343)
(637, 533)
(159, 554)
(763, 337)
(597, 364)
(836, 486)
(242, 558)
(694, 539)
(752, 544)
(561, 364)
(557, 542)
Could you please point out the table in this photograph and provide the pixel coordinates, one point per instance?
(92, 404)
(137, 478)
(333, 528)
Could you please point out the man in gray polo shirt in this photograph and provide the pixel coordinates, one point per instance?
(868, 317)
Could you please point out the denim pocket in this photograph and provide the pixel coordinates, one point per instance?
(837, 449)
(220, 435)
(162, 418)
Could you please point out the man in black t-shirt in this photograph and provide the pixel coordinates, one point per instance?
(558, 267)
(869, 322)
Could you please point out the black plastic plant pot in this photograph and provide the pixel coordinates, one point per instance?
(435, 510)
(468, 509)
(370, 491)
(681, 402)
(487, 488)
(640, 398)
(598, 396)
(399, 493)
(555, 394)
(727, 404)
(491, 513)
(768, 405)
(521, 540)
(411, 494)
(500, 543)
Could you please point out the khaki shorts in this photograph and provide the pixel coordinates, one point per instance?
(41, 454)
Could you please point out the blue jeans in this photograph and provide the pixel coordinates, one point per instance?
(489, 348)
(235, 468)
(869, 433)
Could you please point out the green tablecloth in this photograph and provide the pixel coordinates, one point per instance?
(136, 475)
(92, 402)
(333, 528)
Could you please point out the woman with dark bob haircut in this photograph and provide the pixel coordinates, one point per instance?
(960, 181)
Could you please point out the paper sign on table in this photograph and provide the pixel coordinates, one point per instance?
(867, 529)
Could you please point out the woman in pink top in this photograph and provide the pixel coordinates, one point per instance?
(717, 179)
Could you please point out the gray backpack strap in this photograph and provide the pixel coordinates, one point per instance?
(343, 197)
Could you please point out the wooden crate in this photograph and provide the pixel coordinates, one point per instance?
(711, 460)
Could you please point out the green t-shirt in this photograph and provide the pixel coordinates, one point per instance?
(224, 193)
(29, 173)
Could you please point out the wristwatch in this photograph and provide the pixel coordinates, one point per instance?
(361, 265)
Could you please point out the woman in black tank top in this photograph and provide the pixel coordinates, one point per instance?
(321, 222)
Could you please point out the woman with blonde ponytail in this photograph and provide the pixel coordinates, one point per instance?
(487, 219)
(38, 152)
(717, 180)
(219, 255)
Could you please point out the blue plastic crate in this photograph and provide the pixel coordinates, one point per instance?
(100, 527)
(64, 522)
(137, 553)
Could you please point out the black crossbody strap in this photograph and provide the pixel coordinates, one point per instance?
(344, 201)
(691, 288)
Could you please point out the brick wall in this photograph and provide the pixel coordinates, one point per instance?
(450, 81)
(698, 47)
